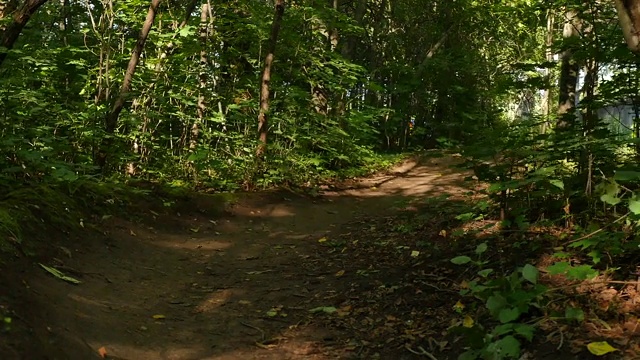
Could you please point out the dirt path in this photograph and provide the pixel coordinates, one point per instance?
(193, 286)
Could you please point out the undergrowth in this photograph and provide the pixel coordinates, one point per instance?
(31, 215)
(566, 213)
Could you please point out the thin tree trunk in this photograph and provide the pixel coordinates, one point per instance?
(350, 45)
(568, 74)
(435, 47)
(589, 119)
(333, 32)
(114, 114)
(191, 7)
(111, 120)
(204, 61)
(263, 123)
(9, 34)
(546, 100)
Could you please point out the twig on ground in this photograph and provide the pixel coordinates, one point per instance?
(597, 231)
(154, 269)
(422, 352)
(254, 328)
(438, 288)
(561, 339)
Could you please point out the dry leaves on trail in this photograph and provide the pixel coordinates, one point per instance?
(392, 295)
(102, 352)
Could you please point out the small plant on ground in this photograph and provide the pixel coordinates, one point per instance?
(498, 317)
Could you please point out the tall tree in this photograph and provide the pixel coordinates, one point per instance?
(20, 15)
(112, 117)
(263, 122)
(546, 100)
(568, 71)
(204, 64)
(111, 120)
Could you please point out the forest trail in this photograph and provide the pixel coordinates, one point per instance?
(241, 286)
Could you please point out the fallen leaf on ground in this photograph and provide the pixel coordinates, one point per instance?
(467, 322)
(325, 309)
(600, 348)
(57, 273)
(459, 306)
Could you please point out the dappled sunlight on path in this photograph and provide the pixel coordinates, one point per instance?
(237, 287)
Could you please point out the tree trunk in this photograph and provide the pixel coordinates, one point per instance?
(191, 7)
(111, 120)
(590, 121)
(568, 74)
(350, 44)
(333, 32)
(112, 117)
(204, 61)
(546, 99)
(629, 17)
(435, 47)
(21, 15)
(263, 123)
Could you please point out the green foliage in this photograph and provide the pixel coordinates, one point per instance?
(506, 300)
(396, 80)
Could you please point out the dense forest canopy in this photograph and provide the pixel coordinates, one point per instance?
(540, 97)
(174, 90)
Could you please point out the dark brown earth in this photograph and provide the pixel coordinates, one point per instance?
(195, 284)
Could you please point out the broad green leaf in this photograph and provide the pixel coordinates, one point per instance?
(508, 347)
(469, 355)
(461, 260)
(558, 268)
(557, 183)
(626, 175)
(610, 199)
(530, 273)
(502, 329)
(634, 206)
(525, 330)
(572, 313)
(496, 303)
(485, 272)
(581, 272)
(481, 248)
(509, 315)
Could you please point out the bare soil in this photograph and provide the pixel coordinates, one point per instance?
(277, 276)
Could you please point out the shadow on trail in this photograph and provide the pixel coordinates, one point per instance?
(193, 286)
